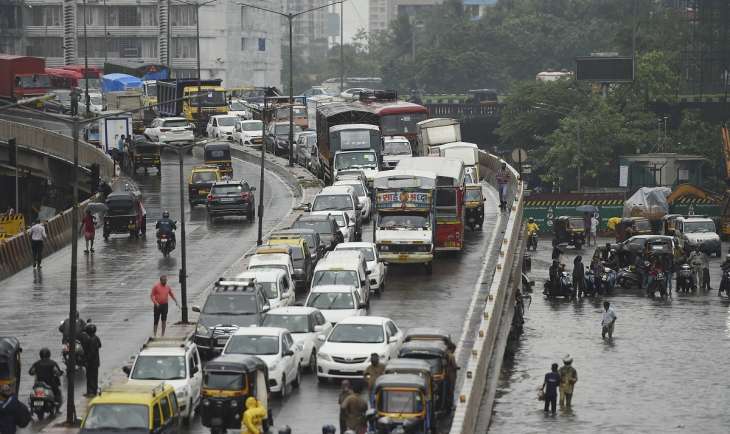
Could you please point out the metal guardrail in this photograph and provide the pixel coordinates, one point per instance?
(484, 336)
(463, 110)
(57, 145)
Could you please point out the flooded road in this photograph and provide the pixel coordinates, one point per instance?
(665, 371)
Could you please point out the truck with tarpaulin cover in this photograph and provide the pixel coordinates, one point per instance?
(450, 187)
(404, 229)
(197, 105)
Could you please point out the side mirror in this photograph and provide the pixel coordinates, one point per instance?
(368, 272)
(318, 328)
(126, 369)
(307, 207)
(266, 308)
(321, 338)
(288, 353)
(196, 308)
(392, 339)
(363, 282)
(351, 224)
(194, 370)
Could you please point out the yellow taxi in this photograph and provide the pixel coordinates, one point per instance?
(127, 407)
(300, 259)
(200, 182)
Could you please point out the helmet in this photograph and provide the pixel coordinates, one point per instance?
(165, 214)
(90, 329)
(727, 256)
(45, 353)
(531, 220)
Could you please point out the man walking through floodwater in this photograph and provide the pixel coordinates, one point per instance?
(550, 387)
(568, 378)
(608, 320)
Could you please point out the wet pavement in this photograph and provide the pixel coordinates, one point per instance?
(114, 282)
(665, 370)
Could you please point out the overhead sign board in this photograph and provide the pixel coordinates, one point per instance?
(615, 69)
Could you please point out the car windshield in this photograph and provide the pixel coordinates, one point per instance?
(695, 227)
(223, 380)
(397, 148)
(351, 160)
(644, 225)
(117, 417)
(222, 304)
(253, 345)
(321, 226)
(213, 98)
(268, 267)
(227, 121)
(251, 126)
(175, 123)
(204, 177)
(357, 334)
(399, 124)
(238, 106)
(283, 113)
(472, 194)
(335, 277)
(228, 189)
(159, 368)
(331, 300)
(293, 323)
(404, 221)
(359, 189)
(332, 202)
(283, 129)
(400, 401)
(367, 251)
(340, 219)
(270, 289)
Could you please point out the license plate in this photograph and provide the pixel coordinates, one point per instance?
(38, 404)
(227, 199)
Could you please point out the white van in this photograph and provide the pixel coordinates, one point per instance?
(344, 268)
(336, 302)
(340, 198)
(280, 261)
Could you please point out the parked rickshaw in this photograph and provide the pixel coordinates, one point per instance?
(569, 230)
(630, 226)
(144, 154)
(125, 215)
(417, 367)
(219, 154)
(435, 353)
(227, 381)
(474, 204)
(428, 334)
(200, 182)
(10, 368)
(401, 400)
(668, 224)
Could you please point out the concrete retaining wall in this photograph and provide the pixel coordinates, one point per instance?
(499, 298)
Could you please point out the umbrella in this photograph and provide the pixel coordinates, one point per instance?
(96, 207)
(586, 208)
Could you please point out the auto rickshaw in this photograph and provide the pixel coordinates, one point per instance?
(570, 230)
(474, 203)
(125, 215)
(227, 381)
(428, 334)
(435, 353)
(10, 362)
(144, 154)
(417, 367)
(219, 154)
(401, 400)
(630, 226)
(200, 182)
(668, 224)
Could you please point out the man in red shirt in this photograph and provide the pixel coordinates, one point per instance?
(159, 296)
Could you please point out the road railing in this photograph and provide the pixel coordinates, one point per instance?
(475, 374)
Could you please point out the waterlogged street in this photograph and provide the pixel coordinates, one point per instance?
(665, 371)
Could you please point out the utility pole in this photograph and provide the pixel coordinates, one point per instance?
(86, 66)
(259, 239)
(73, 287)
(342, 44)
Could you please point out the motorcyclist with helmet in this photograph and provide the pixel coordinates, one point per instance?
(166, 226)
(724, 283)
(47, 371)
(532, 229)
(64, 328)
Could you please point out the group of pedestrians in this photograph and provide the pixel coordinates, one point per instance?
(562, 380)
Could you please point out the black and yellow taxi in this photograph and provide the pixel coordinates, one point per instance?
(200, 182)
(219, 154)
(10, 368)
(474, 205)
(133, 408)
(402, 400)
(144, 154)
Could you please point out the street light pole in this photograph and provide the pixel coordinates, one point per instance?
(71, 368)
(86, 66)
(342, 43)
(259, 239)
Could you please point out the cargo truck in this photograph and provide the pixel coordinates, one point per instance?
(436, 131)
(127, 100)
(23, 77)
(197, 110)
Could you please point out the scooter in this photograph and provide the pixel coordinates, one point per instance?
(42, 400)
(564, 289)
(628, 278)
(165, 244)
(532, 241)
(658, 284)
(80, 356)
(685, 279)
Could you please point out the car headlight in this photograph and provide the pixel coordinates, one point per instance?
(181, 394)
(202, 330)
(324, 356)
(273, 365)
(383, 356)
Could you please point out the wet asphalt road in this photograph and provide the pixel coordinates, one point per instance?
(665, 371)
(114, 282)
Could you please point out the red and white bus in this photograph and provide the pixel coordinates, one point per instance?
(399, 118)
(450, 186)
(64, 78)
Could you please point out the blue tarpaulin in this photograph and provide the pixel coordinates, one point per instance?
(118, 82)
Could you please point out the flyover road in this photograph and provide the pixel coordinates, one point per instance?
(115, 281)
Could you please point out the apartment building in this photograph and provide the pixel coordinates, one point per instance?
(239, 45)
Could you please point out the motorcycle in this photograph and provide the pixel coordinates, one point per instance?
(532, 241)
(725, 282)
(658, 284)
(628, 278)
(42, 400)
(80, 356)
(564, 289)
(685, 279)
(165, 244)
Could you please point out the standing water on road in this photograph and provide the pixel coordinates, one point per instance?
(664, 371)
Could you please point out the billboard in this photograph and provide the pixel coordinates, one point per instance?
(403, 200)
(610, 69)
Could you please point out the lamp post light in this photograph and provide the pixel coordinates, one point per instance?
(290, 18)
(548, 108)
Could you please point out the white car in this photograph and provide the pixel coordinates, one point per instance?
(177, 363)
(347, 226)
(280, 261)
(248, 133)
(395, 148)
(347, 349)
(167, 130)
(336, 302)
(276, 285)
(221, 126)
(363, 196)
(304, 324)
(354, 92)
(276, 347)
(376, 268)
(240, 110)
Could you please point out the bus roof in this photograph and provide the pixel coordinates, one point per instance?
(404, 179)
(450, 168)
(354, 127)
(384, 109)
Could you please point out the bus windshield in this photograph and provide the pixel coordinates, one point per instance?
(404, 123)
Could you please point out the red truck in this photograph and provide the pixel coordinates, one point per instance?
(23, 77)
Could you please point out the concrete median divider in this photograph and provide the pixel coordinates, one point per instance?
(477, 375)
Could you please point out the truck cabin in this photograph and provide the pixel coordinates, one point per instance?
(404, 199)
(209, 96)
(355, 137)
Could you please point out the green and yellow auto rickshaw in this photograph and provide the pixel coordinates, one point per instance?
(227, 381)
(569, 230)
(10, 362)
(417, 367)
(435, 353)
(402, 400)
(474, 205)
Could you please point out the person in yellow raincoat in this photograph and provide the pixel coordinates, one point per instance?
(253, 417)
